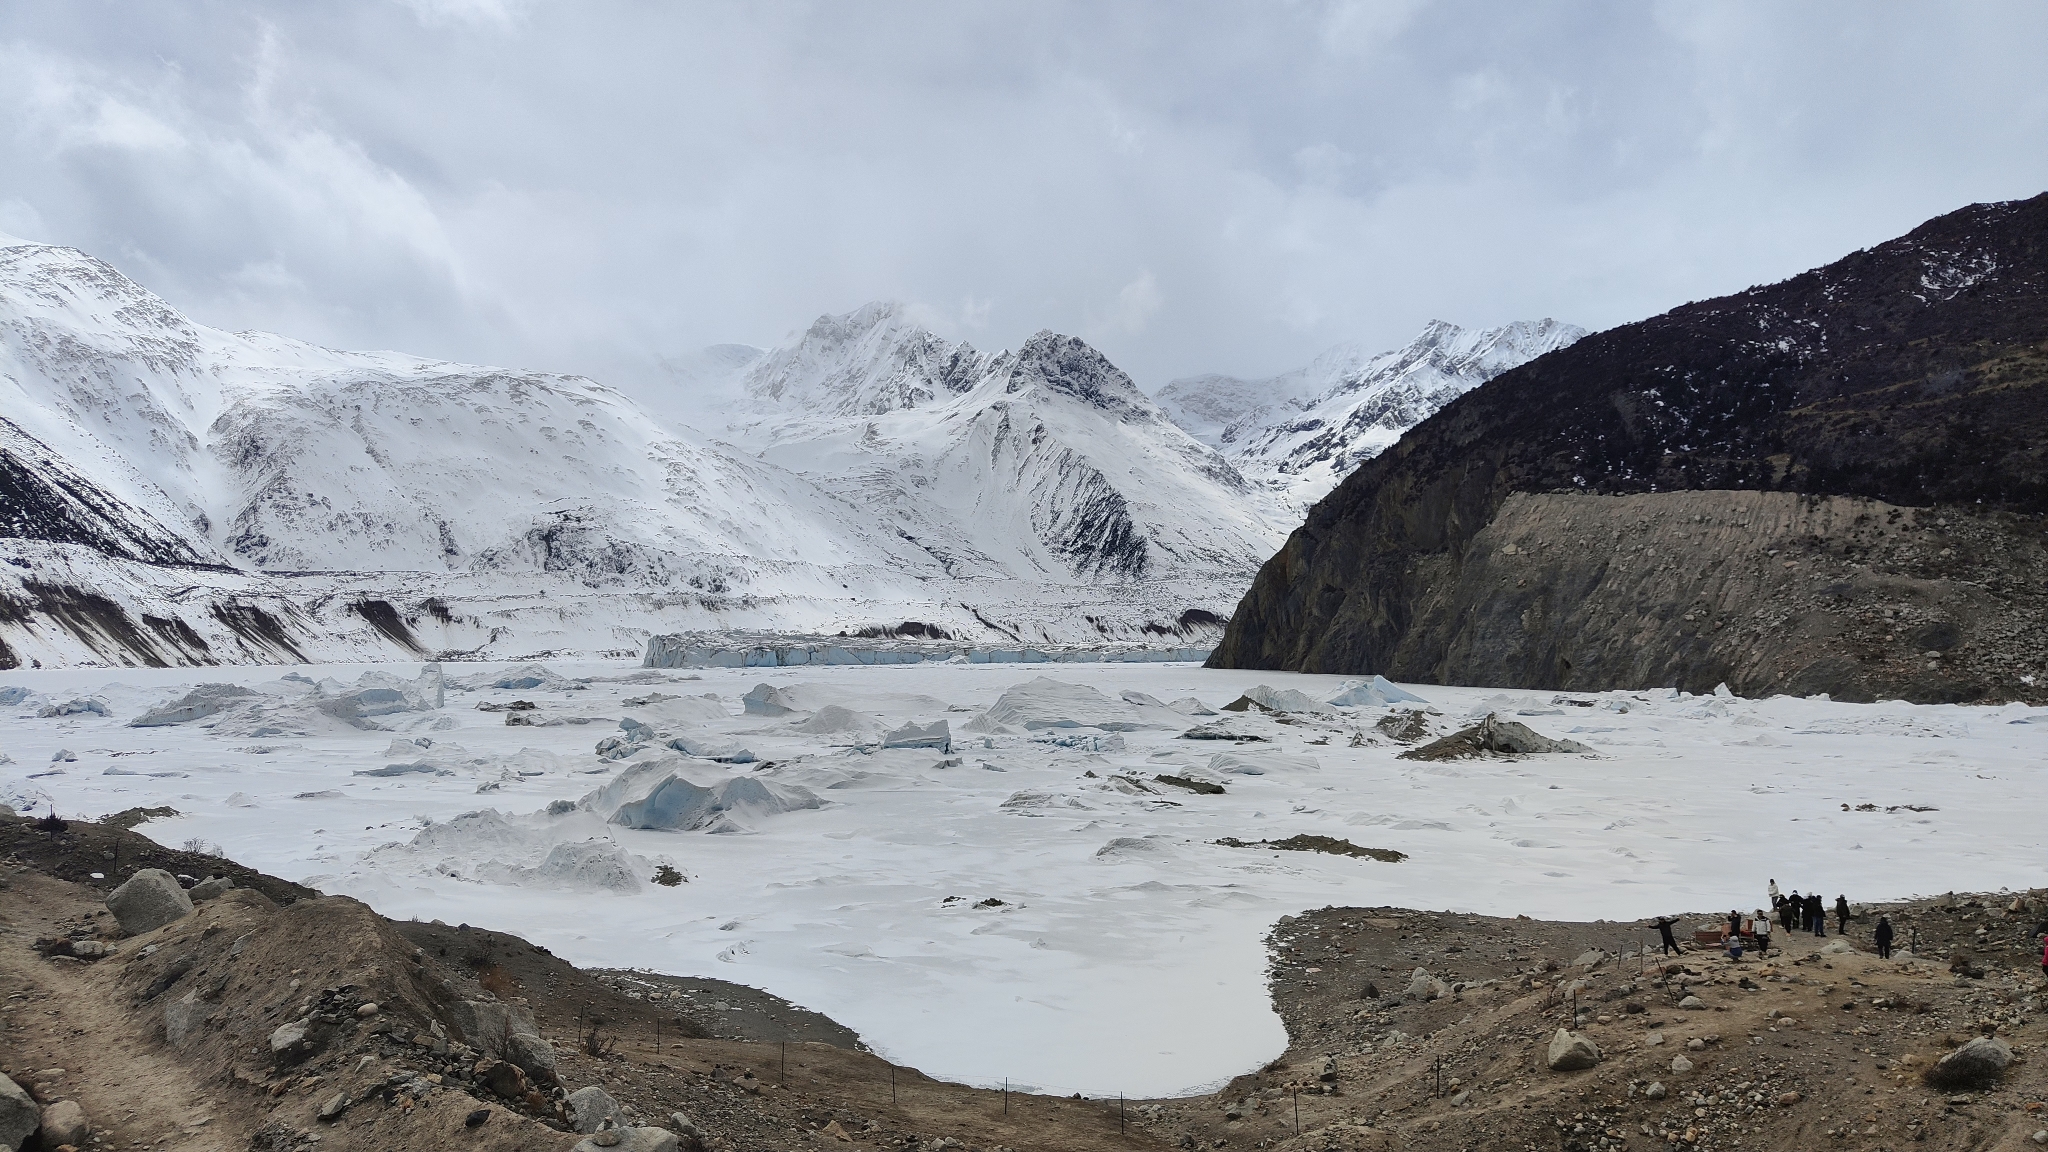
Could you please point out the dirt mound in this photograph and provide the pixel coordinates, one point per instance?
(273, 1017)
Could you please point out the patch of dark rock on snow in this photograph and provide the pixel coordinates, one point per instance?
(1311, 843)
(1199, 787)
(1492, 737)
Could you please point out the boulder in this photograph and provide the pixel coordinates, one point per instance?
(295, 1042)
(1837, 947)
(208, 888)
(1590, 960)
(502, 1077)
(507, 1032)
(1492, 736)
(183, 1017)
(591, 1107)
(1656, 1090)
(1571, 1052)
(633, 1140)
(1979, 1062)
(1693, 1004)
(19, 1116)
(693, 1136)
(150, 899)
(1680, 1065)
(64, 1123)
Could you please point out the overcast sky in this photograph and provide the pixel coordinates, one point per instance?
(592, 187)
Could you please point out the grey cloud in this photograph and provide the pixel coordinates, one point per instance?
(596, 187)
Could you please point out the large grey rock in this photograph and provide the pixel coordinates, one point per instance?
(1978, 1062)
(298, 1041)
(1571, 1052)
(19, 1115)
(634, 1140)
(507, 1032)
(150, 899)
(209, 888)
(592, 1106)
(64, 1123)
(182, 1018)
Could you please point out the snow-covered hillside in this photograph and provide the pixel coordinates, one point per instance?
(1045, 462)
(176, 493)
(1297, 434)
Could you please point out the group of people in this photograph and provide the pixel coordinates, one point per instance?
(1796, 913)
(1808, 913)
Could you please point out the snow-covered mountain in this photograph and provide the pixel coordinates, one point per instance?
(1297, 434)
(171, 492)
(1045, 462)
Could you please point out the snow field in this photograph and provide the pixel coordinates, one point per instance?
(1126, 953)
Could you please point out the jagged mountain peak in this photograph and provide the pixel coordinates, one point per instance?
(1069, 366)
(877, 358)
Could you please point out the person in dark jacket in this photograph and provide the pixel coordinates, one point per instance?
(1883, 936)
(1817, 914)
(1841, 915)
(1792, 911)
(1664, 930)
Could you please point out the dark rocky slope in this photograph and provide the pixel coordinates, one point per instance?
(1808, 486)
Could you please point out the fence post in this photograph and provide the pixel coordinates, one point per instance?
(1297, 1112)
(892, 1084)
(1006, 1096)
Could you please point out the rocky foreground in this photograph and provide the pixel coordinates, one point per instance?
(242, 1011)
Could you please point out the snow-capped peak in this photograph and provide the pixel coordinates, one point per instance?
(1068, 366)
(874, 359)
(1301, 432)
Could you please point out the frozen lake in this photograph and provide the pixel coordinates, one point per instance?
(1125, 953)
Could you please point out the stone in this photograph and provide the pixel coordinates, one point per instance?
(836, 1132)
(1978, 1062)
(507, 1032)
(367, 1010)
(1590, 960)
(293, 1043)
(476, 1118)
(91, 949)
(1788, 1099)
(1695, 1045)
(1656, 1090)
(335, 1106)
(1680, 1065)
(693, 1136)
(64, 1123)
(19, 1116)
(150, 899)
(502, 1077)
(606, 1136)
(183, 1017)
(1571, 1052)
(1837, 947)
(631, 1140)
(1653, 1039)
(208, 888)
(590, 1107)
(1693, 1004)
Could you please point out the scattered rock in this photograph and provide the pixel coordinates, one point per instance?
(1693, 1004)
(590, 1107)
(150, 899)
(1788, 1099)
(19, 1115)
(335, 1106)
(631, 1140)
(1656, 1090)
(64, 1123)
(367, 1010)
(1571, 1052)
(209, 888)
(476, 1119)
(1979, 1062)
(836, 1132)
(1492, 737)
(1680, 1065)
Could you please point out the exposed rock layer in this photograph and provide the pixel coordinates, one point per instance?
(1605, 516)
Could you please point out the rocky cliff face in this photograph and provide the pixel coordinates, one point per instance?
(1622, 513)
